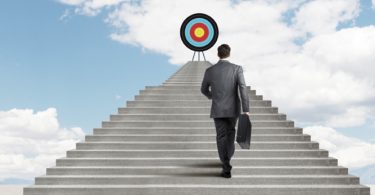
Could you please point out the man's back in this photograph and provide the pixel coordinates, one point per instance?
(225, 78)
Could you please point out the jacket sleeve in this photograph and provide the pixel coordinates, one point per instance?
(205, 85)
(243, 90)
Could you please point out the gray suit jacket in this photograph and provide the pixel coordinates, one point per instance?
(225, 80)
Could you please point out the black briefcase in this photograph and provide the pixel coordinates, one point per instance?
(244, 131)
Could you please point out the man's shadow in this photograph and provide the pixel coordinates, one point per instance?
(214, 173)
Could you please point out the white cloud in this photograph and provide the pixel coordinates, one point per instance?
(350, 50)
(323, 16)
(350, 152)
(355, 116)
(93, 7)
(65, 15)
(373, 4)
(72, 2)
(31, 141)
(327, 79)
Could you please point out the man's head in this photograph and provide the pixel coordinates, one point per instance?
(223, 51)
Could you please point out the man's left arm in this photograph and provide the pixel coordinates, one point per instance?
(205, 86)
(243, 90)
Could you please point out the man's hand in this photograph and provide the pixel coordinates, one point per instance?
(248, 113)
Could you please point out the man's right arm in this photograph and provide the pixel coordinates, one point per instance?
(205, 86)
(243, 90)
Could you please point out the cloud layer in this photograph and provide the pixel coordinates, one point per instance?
(31, 141)
(351, 152)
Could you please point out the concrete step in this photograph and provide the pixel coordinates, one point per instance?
(191, 130)
(186, 79)
(196, 162)
(187, 103)
(152, 145)
(196, 73)
(187, 82)
(185, 76)
(196, 79)
(199, 189)
(186, 110)
(186, 117)
(191, 71)
(186, 87)
(178, 91)
(192, 137)
(197, 179)
(185, 171)
(182, 97)
(182, 84)
(193, 153)
(175, 83)
(200, 123)
(199, 73)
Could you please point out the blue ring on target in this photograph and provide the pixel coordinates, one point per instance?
(199, 32)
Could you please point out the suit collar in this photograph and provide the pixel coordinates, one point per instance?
(223, 60)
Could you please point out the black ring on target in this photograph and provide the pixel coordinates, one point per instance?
(199, 32)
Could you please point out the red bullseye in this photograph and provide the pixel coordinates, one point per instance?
(199, 32)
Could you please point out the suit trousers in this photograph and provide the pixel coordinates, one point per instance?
(225, 133)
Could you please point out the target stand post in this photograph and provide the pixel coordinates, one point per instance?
(204, 57)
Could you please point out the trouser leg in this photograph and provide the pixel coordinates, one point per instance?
(221, 137)
(225, 133)
(231, 135)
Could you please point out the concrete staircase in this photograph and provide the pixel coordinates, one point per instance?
(164, 142)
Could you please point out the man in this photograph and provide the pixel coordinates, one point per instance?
(225, 78)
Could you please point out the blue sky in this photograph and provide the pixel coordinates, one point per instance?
(79, 67)
(71, 65)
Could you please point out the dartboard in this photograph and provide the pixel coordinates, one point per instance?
(199, 32)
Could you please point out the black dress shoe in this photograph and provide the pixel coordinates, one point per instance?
(226, 174)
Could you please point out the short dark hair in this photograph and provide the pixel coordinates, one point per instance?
(223, 51)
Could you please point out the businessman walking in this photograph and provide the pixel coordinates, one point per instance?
(225, 80)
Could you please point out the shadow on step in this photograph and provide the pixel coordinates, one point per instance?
(213, 174)
(204, 173)
(205, 165)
